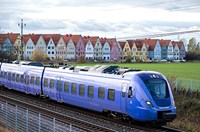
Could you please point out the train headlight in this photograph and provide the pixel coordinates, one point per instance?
(149, 103)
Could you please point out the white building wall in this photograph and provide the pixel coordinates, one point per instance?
(51, 49)
(89, 51)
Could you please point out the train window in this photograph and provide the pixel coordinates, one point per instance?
(66, 87)
(17, 78)
(46, 82)
(22, 78)
(9, 76)
(73, 88)
(13, 77)
(4, 76)
(101, 93)
(52, 83)
(59, 86)
(90, 91)
(32, 79)
(81, 89)
(27, 79)
(38, 81)
(130, 92)
(111, 94)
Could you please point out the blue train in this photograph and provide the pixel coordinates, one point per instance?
(127, 93)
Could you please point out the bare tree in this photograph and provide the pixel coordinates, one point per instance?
(38, 55)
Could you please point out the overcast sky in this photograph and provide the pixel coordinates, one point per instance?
(104, 18)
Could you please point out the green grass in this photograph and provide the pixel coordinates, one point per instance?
(178, 70)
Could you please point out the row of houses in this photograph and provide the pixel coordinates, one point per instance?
(72, 47)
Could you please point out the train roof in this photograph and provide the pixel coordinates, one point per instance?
(107, 69)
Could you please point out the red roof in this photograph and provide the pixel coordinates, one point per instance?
(111, 41)
(179, 43)
(66, 38)
(151, 43)
(56, 38)
(12, 37)
(26, 38)
(47, 38)
(2, 38)
(85, 39)
(139, 44)
(93, 39)
(131, 43)
(75, 38)
(34, 37)
(122, 44)
(166, 42)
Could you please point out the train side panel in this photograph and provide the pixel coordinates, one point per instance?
(91, 92)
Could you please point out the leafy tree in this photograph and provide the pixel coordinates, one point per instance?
(38, 55)
(197, 47)
(7, 56)
(192, 44)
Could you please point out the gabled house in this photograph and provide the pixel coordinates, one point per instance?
(176, 50)
(127, 49)
(9, 40)
(182, 50)
(114, 50)
(89, 48)
(124, 52)
(105, 49)
(51, 48)
(41, 44)
(31, 43)
(170, 51)
(71, 49)
(95, 40)
(141, 49)
(163, 44)
(61, 49)
(153, 48)
(79, 46)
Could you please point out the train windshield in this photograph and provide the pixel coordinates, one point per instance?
(157, 88)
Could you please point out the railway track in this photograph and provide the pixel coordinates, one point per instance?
(86, 120)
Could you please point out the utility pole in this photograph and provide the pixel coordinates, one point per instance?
(21, 36)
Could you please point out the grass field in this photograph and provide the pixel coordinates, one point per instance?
(179, 70)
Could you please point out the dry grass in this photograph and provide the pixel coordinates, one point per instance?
(188, 113)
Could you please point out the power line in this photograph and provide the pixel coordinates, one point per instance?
(158, 35)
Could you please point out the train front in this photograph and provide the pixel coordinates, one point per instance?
(152, 98)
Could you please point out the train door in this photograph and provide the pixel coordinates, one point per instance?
(123, 96)
(129, 100)
(59, 87)
(27, 83)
